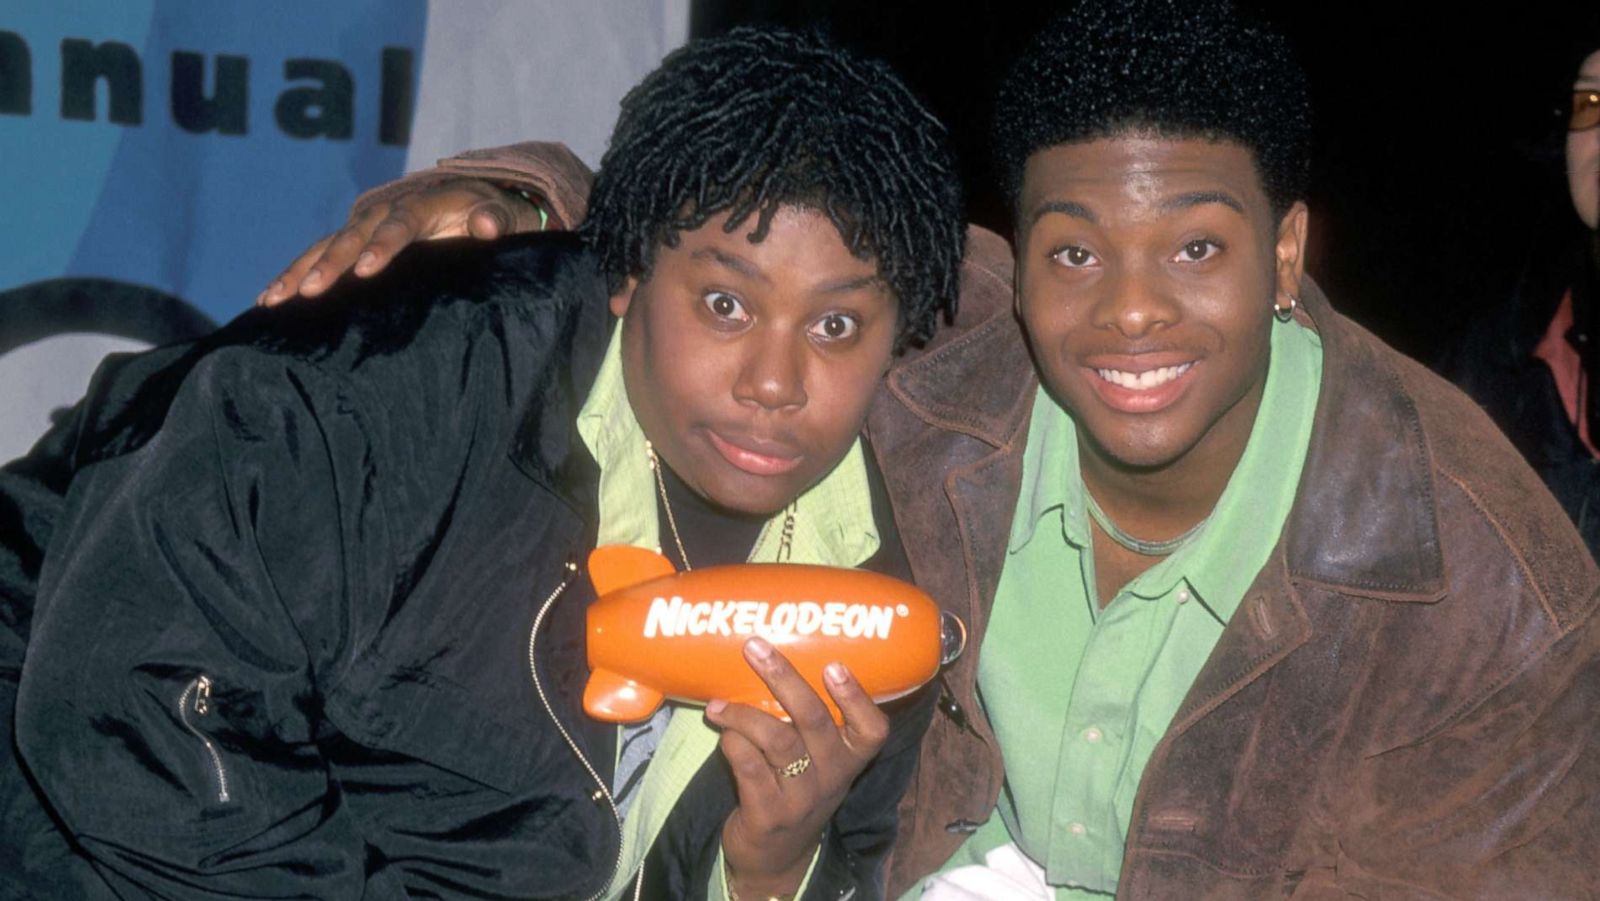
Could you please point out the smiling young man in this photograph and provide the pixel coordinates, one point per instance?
(1264, 609)
(1280, 614)
(310, 621)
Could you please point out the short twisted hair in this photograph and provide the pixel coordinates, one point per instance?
(759, 119)
(1174, 68)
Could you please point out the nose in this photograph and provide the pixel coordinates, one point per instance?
(1136, 304)
(773, 374)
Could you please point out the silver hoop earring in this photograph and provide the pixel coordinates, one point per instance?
(1284, 314)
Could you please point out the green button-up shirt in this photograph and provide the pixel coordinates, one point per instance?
(1079, 696)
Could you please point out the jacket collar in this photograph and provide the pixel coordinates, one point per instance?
(975, 377)
(1364, 521)
(1365, 518)
(547, 447)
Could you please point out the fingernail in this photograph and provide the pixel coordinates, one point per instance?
(365, 261)
(837, 674)
(716, 706)
(313, 279)
(261, 298)
(759, 649)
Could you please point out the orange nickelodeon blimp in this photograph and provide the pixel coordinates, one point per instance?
(655, 633)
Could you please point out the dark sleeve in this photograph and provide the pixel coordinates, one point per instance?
(853, 849)
(857, 842)
(195, 591)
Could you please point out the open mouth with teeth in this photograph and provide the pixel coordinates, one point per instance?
(1144, 381)
(1143, 391)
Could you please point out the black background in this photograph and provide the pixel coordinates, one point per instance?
(1438, 152)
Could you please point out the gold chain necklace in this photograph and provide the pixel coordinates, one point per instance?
(785, 538)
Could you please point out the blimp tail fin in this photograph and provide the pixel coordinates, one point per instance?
(612, 698)
(616, 566)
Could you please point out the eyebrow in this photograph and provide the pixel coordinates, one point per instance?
(844, 286)
(1066, 207)
(746, 268)
(1200, 198)
(737, 264)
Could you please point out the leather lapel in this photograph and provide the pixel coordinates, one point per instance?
(1365, 520)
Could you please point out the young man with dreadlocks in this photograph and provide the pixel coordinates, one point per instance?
(308, 619)
(1264, 608)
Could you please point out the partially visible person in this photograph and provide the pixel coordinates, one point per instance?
(1265, 609)
(308, 620)
(1533, 362)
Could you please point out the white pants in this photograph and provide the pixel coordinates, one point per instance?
(1005, 875)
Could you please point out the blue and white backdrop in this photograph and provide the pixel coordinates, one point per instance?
(161, 160)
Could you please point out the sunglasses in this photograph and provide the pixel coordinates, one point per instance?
(1585, 111)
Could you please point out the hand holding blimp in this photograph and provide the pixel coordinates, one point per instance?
(790, 776)
(816, 646)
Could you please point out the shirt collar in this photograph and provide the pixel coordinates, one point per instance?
(833, 518)
(1056, 489)
(1220, 561)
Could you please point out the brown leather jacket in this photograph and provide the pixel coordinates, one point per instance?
(1407, 702)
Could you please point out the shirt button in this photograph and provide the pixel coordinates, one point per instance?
(1092, 735)
(1183, 595)
(1077, 828)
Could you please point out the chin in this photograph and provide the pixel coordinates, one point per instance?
(748, 500)
(1141, 451)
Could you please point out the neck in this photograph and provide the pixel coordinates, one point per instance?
(711, 535)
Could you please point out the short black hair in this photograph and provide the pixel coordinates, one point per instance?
(1172, 68)
(758, 119)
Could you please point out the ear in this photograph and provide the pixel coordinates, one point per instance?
(1291, 249)
(623, 299)
(1016, 284)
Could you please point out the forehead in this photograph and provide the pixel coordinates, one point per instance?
(1123, 175)
(1589, 70)
(801, 248)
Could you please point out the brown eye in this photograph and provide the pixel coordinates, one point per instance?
(724, 306)
(1197, 250)
(835, 327)
(1073, 257)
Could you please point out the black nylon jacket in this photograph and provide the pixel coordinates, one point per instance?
(286, 578)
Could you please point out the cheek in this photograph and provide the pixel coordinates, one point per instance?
(1049, 322)
(841, 394)
(1583, 172)
(667, 378)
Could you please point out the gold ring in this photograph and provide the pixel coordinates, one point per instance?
(800, 765)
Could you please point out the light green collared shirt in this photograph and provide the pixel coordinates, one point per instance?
(833, 526)
(1079, 696)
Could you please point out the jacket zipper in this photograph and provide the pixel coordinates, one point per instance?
(199, 693)
(602, 790)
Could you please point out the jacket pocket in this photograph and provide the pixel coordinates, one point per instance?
(435, 720)
(194, 708)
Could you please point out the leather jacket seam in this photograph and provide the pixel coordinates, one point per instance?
(1509, 675)
(977, 263)
(1505, 542)
(1243, 675)
(962, 424)
(1244, 872)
